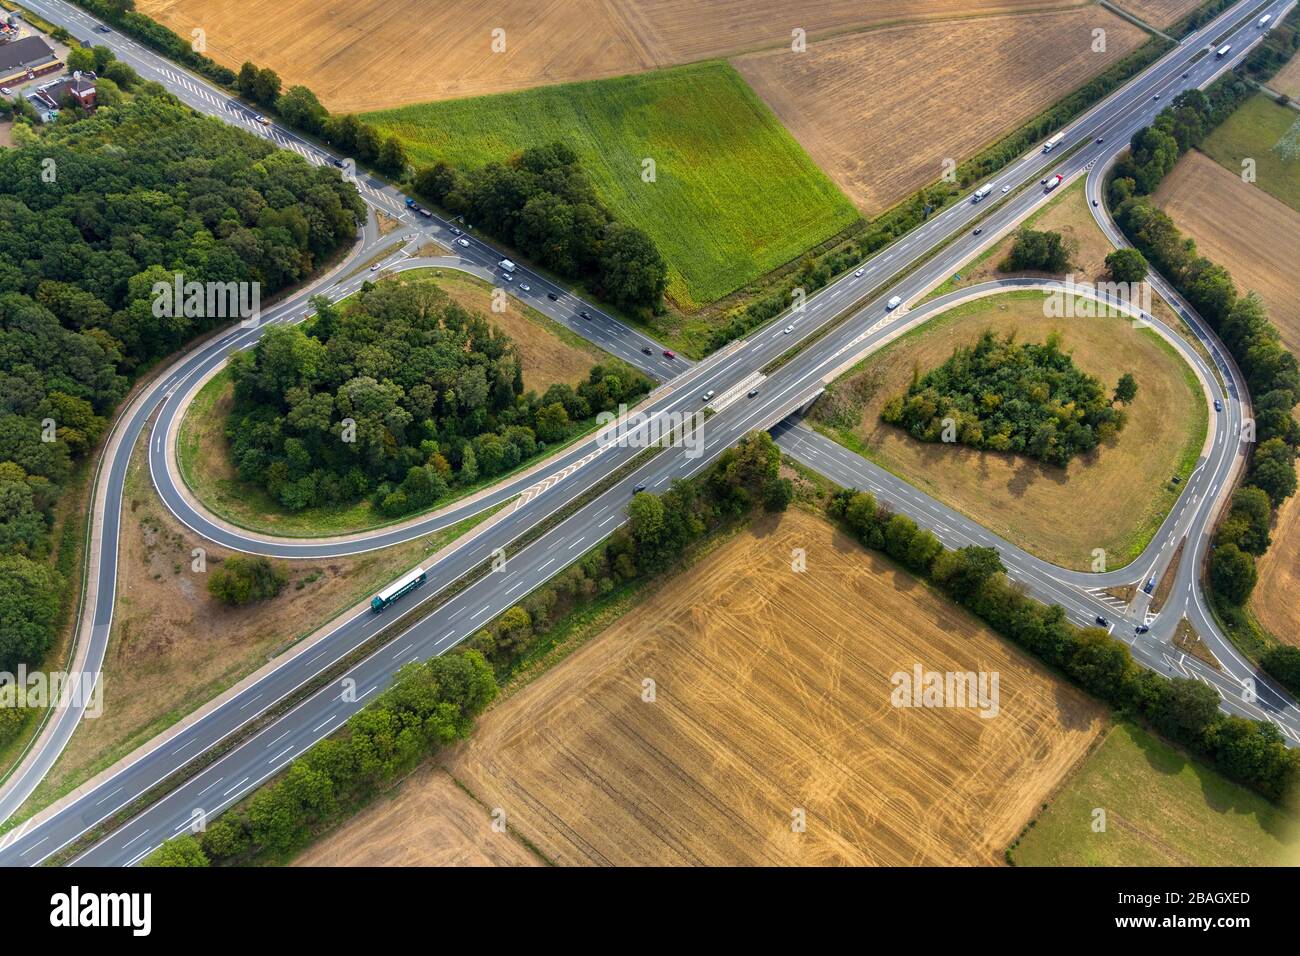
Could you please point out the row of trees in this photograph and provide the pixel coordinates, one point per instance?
(94, 211)
(1186, 710)
(659, 530)
(1270, 371)
(542, 203)
(429, 706)
(435, 703)
(402, 395)
(1003, 395)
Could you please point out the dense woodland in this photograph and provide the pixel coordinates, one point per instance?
(1271, 372)
(93, 211)
(541, 203)
(1003, 395)
(402, 395)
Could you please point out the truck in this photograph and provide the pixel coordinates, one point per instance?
(893, 304)
(506, 266)
(1053, 142)
(1222, 51)
(1263, 21)
(982, 192)
(1053, 182)
(403, 586)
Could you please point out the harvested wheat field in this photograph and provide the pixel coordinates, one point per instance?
(372, 54)
(1287, 79)
(1159, 13)
(1275, 600)
(1242, 228)
(772, 696)
(427, 821)
(881, 110)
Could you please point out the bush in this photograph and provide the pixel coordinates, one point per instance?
(243, 580)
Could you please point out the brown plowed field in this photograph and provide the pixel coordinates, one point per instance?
(881, 110)
(364, 55)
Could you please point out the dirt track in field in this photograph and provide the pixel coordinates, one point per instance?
(881, 110)
(772, 695)
(371, 54)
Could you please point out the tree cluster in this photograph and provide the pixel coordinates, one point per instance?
(430, 705)
(401, 395)
(1003, 395)
(541, 203)
(93, 213)
(1186, 710)
(1035, 251)
(240, 580)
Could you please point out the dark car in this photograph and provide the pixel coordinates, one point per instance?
(753, 392)
(1100, 140)
(585, 314)
(645, 350)
(103, 29)
(1102, 622)
(337, 163)
(1218, 405)
(639, 488)
(553, 297)
(1184, 76)
(1141, 629)
(978, 230)
(1149, 586)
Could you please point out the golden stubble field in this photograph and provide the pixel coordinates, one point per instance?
(771, 695)
(1243, 229)
(881, 110)
(372, 54)
(1287, 79)
(1159, 13)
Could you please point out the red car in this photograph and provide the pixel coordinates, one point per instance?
(669, 355)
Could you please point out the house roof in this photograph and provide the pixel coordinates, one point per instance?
(20, 54)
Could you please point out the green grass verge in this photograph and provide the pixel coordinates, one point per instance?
(1256, 131)
(735, 195)
(1162, 808)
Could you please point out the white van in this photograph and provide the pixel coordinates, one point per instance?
(507, 265)
(893, 304)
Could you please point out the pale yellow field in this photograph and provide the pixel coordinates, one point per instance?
(772, 696)
(1243, 229)
(881, 110)
(1287, 79)
(1159, 13)
(370, 54)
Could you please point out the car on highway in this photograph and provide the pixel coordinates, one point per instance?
(585, 314)
(893, 303)
(1006, 188)
(978, 230)
(553, 297)
(1184, 76)
(640, 487)
(462, 241)
(1102, 622)
(858, 274)
(787, 330)
(1149, 586)
(708, 395)
(1043, 181)
(753, 392)
(1218, 405)
(1096, 203)
(525, 287)
(4, 90)
(336, 162)
(1101, 139)
(103, 29)
(508, 276)
(1141, 629)
(455, 231)
(669, 355)
(375, 267)
(265, 121)
(1156, 97)
(645, 350)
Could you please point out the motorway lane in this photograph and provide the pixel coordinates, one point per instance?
(844, 286)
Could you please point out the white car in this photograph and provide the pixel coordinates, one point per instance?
(263, 120)
(463, 242)
(1006, 188)
(789, 329)
(5, 91)
(525, 287)
(508, 277)
(858, 274)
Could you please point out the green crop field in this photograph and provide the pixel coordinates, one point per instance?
(734, 195)
(1161, 809)
(1269, 134)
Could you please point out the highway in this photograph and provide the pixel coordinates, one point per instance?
(855, 302)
